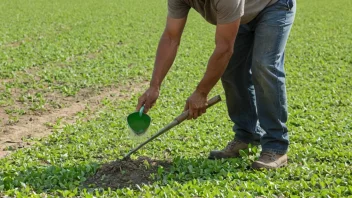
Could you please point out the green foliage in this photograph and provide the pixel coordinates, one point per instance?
(66, 46)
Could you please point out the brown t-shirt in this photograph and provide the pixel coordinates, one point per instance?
(219, 11)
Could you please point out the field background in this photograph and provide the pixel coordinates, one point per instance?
(71, 71)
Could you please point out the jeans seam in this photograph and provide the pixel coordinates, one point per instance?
(249, 94)
(277, 76)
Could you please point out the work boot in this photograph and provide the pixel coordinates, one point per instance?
(231, 150)
(269, 160)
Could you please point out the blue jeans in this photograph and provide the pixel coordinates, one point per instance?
(254, 80)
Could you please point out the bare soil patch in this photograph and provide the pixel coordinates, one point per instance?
(14, 44)
(126, 173)
(39, 124)
(3, 154)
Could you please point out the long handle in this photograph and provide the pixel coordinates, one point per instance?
(175, 122)
(211, 102)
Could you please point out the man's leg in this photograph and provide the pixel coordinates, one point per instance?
(272, 28)
(240, 97)
(239, 89)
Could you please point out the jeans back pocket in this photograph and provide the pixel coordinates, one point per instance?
(289, 4)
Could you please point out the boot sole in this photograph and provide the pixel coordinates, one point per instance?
(215, 158)
(260, 166)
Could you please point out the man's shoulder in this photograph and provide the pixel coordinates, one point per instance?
(178, 8)
(229, 10)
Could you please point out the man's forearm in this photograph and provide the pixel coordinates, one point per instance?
(216, 67)
(165, 57)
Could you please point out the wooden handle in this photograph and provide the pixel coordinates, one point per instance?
(211, 102)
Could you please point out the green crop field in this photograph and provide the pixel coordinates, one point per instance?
(71, 72)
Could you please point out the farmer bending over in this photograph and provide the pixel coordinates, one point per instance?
(250, 39)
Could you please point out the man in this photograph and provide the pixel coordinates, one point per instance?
(250, 38)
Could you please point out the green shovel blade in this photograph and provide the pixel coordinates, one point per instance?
(138, 123)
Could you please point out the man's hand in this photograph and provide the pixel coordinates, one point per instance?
(148, 99)
(196, 104)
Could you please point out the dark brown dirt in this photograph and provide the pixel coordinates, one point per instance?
(128, 173)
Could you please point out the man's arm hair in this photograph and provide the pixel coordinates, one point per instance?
(224, 39)
(167, 49)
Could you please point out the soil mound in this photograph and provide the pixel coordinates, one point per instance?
(126, 173)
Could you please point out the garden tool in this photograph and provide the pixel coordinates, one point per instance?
(175, 122)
